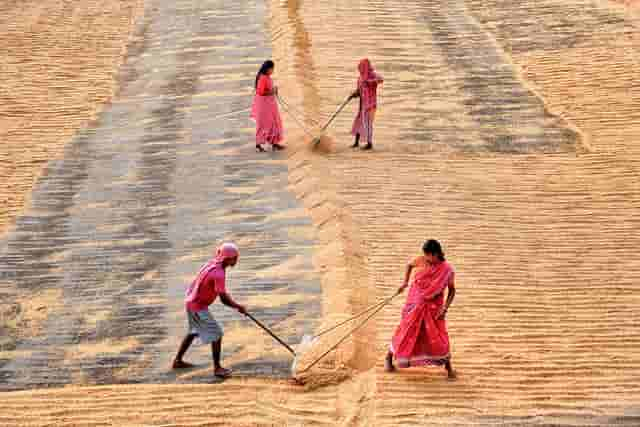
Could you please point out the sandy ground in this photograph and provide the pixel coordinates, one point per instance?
(532, 236)
(117, 226)
(537, 207)
(62, 57)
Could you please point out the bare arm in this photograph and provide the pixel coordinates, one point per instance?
(226, 299)
(407, 276)
(451, 294)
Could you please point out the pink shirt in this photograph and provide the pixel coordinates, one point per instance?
(204, 290)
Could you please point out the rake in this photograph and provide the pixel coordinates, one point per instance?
(316, 140)
(309, 340)
(267, 330)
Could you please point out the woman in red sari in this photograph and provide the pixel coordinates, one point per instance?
(265, 110)
(367, 91)
(422, 338)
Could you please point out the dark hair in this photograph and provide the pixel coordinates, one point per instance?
(433, 247)
(263, 70)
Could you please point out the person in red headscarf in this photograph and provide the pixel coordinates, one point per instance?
(367, 91)
(422, 337)
(203, 291)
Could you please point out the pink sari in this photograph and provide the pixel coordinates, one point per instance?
(368, 88)
(265, 112)
(421, 338)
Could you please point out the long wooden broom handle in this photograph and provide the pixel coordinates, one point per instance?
(271, 333)
(387, 301)
(355, 316)
(344, 104)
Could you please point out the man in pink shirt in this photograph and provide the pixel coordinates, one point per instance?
(207, 286)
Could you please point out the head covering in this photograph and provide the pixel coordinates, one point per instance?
(225, 251)
(368, 85)
(366, 70)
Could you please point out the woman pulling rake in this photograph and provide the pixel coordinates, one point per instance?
(422, 338)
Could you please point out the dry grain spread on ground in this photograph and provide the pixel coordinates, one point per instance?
(509, 130)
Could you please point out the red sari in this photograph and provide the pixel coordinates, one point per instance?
(266, 114)
(368, 89)
(421, 338)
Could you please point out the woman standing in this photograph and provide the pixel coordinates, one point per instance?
(422, 338)
(265, 110)
(367, 92)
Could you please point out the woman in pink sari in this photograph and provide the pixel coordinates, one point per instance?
(367, 91)
(265, 110)
(422, 338)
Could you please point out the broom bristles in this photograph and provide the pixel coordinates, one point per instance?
(305, 345)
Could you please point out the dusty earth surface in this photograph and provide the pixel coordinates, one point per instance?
(59, 61)
(508, 130)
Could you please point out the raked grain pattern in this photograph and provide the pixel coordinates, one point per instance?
(509, 131)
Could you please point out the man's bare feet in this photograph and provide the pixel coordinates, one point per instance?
(181, 364)
(222, 372)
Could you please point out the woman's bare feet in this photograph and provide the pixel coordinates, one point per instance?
(451, 374)
(181, 364)
(356, 142)
(388, 363)
(222, 372)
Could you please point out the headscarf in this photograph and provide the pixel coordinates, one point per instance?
(368, 85)
(226, 251)
(367, 73)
